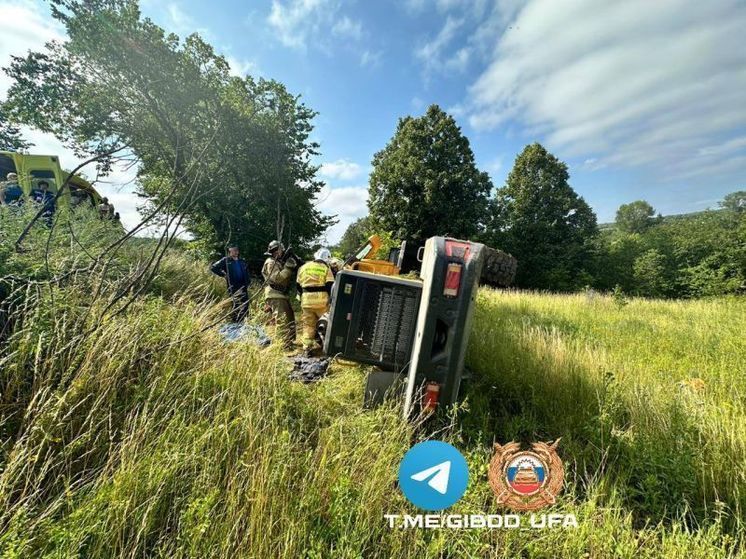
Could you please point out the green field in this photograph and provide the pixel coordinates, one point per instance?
(149, 437)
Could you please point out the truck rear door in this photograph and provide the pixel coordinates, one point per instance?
(450, 273)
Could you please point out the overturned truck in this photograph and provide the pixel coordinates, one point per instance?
(414, 331)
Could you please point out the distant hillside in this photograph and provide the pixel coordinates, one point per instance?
(672, 217)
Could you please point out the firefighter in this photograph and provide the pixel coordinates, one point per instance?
(278, 273)
(336, 265)
(315, 280)
(236, 273)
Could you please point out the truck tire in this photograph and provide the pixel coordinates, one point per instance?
(499, 268)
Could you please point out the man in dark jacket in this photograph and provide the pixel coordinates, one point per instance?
(236, 273)
(10, 191)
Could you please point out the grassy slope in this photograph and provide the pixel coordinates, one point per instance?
(139, 444)
(649, 398)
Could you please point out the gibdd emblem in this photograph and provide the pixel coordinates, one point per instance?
(526, 480)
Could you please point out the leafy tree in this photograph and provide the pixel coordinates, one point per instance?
(652, 274)
(735, 201)
(354, 236)
(635, 217)
(613, 258)
(693, 255)
(543, 222)
(425, 182)
(228, 157)
(10, 135)
(707, 251)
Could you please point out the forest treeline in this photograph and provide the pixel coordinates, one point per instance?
(231, 160)
(425, 182)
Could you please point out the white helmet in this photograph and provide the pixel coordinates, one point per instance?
(323, 254)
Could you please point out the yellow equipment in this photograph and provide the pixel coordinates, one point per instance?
(361, 263)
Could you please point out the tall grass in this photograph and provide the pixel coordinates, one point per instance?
(151, 437)
(649, 397)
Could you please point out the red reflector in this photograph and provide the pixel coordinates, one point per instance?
(455, 249)
(453, 280)
(431, 396)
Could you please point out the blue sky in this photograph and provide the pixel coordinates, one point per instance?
(641, 99)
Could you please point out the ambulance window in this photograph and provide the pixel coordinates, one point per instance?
(38, 176)
(7, 165)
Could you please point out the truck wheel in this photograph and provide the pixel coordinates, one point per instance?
(499, 268)
(321, 327)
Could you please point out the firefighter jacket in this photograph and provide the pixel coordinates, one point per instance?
(278, 276)
(315, 280)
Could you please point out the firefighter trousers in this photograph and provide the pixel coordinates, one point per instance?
(309, 318)
(284, 318)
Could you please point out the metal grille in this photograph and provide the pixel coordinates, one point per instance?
(387, 321)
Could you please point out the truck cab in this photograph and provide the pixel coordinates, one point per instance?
(414, 331)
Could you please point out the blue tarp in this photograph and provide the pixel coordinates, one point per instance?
(235, 331)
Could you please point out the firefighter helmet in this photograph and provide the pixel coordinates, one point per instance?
(274, 245)
(323, 254)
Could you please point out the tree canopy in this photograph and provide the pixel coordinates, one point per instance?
(635, 217)
(228, 157)
(10, 135)
(691, 255)
(543, 222)
(355, 236)
(735, 201)
(425, 181)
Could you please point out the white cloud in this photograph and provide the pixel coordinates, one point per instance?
(341, 169)
(27, 26)
(443, 6)
(347, 27)
(347, 203)
(182, 23)
(456, 111)
(240, 66)
(633, 83)
(300, 24)
(24, 26)
(179, 19)
(496, 164)
(415, 6)
(296, 20)
(371, 58)
(458, 61)
(730, 146)
(593, 164)
(433, 53)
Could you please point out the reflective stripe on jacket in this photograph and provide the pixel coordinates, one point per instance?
(314, 282)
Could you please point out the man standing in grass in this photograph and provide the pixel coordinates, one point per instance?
(236, 273)
(278, 273)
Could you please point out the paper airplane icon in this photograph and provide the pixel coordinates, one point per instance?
(437, 476)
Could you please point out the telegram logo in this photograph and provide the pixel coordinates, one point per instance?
(433, 475)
